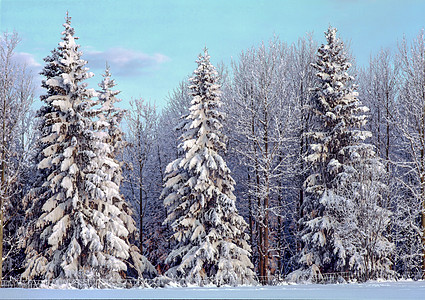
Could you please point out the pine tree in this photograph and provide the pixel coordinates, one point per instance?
(33, 199)
(333, 105)
(208, 231)
(50, 70)
(81, 222)
(108, 168)
(110, 115)
(338, 160)
(65, 126)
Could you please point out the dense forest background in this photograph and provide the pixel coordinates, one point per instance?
(328, 160)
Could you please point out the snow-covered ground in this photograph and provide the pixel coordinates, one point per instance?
(374, 290)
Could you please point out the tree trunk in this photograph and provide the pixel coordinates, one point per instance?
(303, 145)
(259, 225)
(266, 232)
(280, 246)
(2, 187)
(267, 196)
(141, 210)
(423, 233)
(251, 219)
(422, 187)
(422, 183)
(1, 217)
(280, 232)
(387, 148)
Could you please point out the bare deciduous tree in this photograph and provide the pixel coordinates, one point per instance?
(261, 114)
(411, 125)
(141, 120)
(16, 97)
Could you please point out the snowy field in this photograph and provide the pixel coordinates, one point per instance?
(376, 290)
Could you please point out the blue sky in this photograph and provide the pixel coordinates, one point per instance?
(152, 45)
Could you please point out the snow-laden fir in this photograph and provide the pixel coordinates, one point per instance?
(81, 224)
(344, 222)
(209, 234)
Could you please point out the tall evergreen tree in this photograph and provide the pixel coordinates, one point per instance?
(108, 173)
(208, 231)
(335, 187)
(33, 199)
(110, 116)
(81, 222)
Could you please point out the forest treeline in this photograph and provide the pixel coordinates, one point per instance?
(291, 162)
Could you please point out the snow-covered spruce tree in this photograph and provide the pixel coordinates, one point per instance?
(79, 229)
(108, 170)
(32, 200)
(35, 198)
(335, 188)
(110, 116)
(208, 231)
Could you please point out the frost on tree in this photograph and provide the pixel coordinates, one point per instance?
(209, 233)
(111, 144)
(82, 228)
(38, 191)
(344, 182)
(110, 116)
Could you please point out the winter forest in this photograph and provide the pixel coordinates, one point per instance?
(289, 164)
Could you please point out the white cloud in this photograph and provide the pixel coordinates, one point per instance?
(27, 59)
(124, 62)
